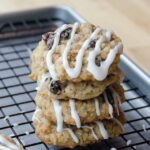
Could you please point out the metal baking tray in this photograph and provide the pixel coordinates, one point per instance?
(20, 33)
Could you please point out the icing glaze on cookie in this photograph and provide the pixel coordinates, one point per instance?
(74, 137)
(110, 108)
(97, 107)
(6, 144)
(74, 72)
(74, 113)
(102, 130)
(59, 117)
(43, 79)
(93, 133)
(116, 99)
(99, 72)
(97, 50)
(50, 65)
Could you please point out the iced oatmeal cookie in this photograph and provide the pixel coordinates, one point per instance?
(77, 52)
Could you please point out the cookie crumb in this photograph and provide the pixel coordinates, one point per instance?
(129, 142)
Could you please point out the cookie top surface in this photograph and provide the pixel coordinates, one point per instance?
(80, 52)
(76, 112)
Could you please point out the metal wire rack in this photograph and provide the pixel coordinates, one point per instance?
(17, 91)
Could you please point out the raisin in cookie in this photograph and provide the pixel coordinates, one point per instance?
(77, 52)
(79, 90)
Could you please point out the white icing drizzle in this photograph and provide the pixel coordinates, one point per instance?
(43, 79)
(115, 95)
(59, 117)
(35, 113)
(93, 133)
(119, 123)
(110, 108)
(102, 130)
(74, 72)
(100, 72)
(74, 113)
(116, 98)
(50, 65)
(6, 145)
(74, 137)
(97, 107)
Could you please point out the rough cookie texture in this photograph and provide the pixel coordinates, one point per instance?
(38, 60)
(79, 90)
(8, 143)
(46, 131)
(85, 109)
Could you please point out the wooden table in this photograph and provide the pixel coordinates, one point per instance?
(130, 19)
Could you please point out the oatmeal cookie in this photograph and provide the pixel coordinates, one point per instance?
(77, 52)
(79, 90)
(98, 108)
(71, 136)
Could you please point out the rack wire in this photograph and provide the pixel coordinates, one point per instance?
(17, 91)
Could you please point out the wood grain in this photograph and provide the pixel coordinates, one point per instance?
(129, 19)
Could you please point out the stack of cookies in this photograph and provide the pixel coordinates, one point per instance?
(79, 93)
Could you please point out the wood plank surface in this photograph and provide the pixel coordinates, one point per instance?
(130, 19)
